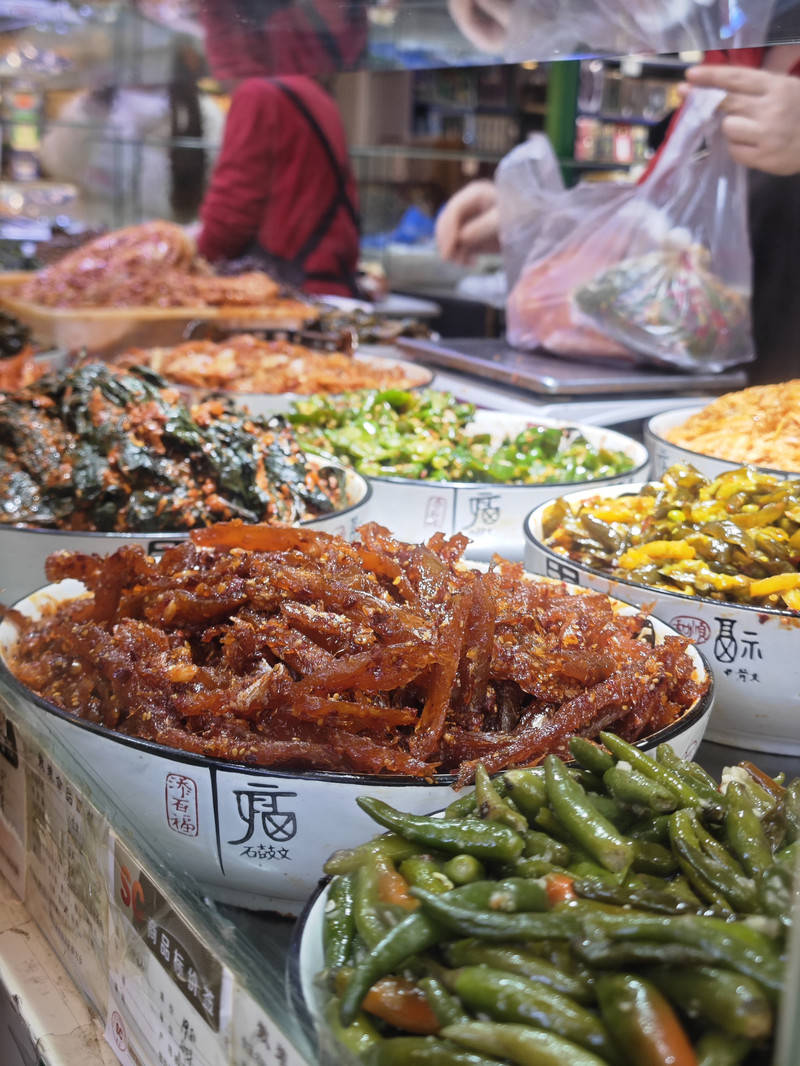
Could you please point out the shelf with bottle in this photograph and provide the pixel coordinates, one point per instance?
(489, 109)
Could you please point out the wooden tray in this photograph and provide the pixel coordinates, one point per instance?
(104, 331)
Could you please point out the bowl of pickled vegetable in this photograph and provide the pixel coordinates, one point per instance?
(438, 465)
(93, 459)
(621, 910)
(237, 693)
(718, 560)
(759, 427)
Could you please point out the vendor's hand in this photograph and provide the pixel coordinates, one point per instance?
(483, 22)
(762, 115)
(469, 223)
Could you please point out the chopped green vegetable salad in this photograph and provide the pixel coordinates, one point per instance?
(425, 435)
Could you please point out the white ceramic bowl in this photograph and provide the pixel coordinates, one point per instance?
(252, 836)
(267, 404)
(753, 651)
(24, 549)
(664, 454)
(490, 514)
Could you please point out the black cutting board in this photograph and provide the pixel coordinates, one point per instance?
(548, 375)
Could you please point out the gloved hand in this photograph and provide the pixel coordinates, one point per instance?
(469, 223)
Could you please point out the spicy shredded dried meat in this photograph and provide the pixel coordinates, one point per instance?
(294, 648)
(153, 264)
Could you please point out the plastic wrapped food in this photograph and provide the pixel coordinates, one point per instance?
(657, 272)
(669, 299)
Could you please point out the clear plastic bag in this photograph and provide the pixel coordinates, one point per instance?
(658, 272)
(552, 28)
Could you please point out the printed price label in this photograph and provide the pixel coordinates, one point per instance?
(12, 805)
(66, 884)
(256, 1039)
(169, 996)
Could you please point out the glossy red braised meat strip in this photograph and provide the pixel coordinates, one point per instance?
(289, 648)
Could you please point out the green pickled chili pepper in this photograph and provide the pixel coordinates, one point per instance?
(686, 793)
(613, 810)
(533, 868)
(484, 840)
(733, 944)
(745, 834)
(637, 790)
(338, 925)
(603, 954)
(527, 789)
(508, 997)
(521, 1044)
(590, 756)
(586, 779)
(721, 1049)
(462, 806)
(629, 893)
(347, 860)
(650, 857)
(492, 807)
(641, 1021)
(358, 1037)
(789, 856)
(705, 856)
(791, 811)
(574, 810)
(691, 771)
(368, 915)
(423, 1051)
(494, 925)
(655, 830)
(463, 869)
(543, 846)
(415, 933)
(774, 889)
(447, 1007)
(424, 871)
(727, 1000)
(519, 894)
(515, 959)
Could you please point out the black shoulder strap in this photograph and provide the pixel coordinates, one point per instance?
(343, 200)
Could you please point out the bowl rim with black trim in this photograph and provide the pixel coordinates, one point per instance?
(632, 489)
(654, 431)
(690, 717)
(182, 534)
(526, 421)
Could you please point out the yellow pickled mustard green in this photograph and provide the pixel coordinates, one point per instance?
(734, 538)
(633, 558)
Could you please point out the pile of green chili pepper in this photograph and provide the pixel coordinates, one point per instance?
(424, 435)
(621, 911)
(736, 538)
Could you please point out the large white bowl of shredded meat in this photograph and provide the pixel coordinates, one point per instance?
(759, 427)
(239, 693)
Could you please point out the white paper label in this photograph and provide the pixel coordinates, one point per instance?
(169, 998)
(66, 884)
(12, 806)
(256, 1040)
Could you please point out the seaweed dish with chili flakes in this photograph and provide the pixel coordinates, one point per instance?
(292, 648)
(94, 449)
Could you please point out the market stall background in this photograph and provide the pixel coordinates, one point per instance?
(67, 848)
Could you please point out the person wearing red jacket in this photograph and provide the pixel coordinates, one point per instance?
(282, 189)
(258, 38)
